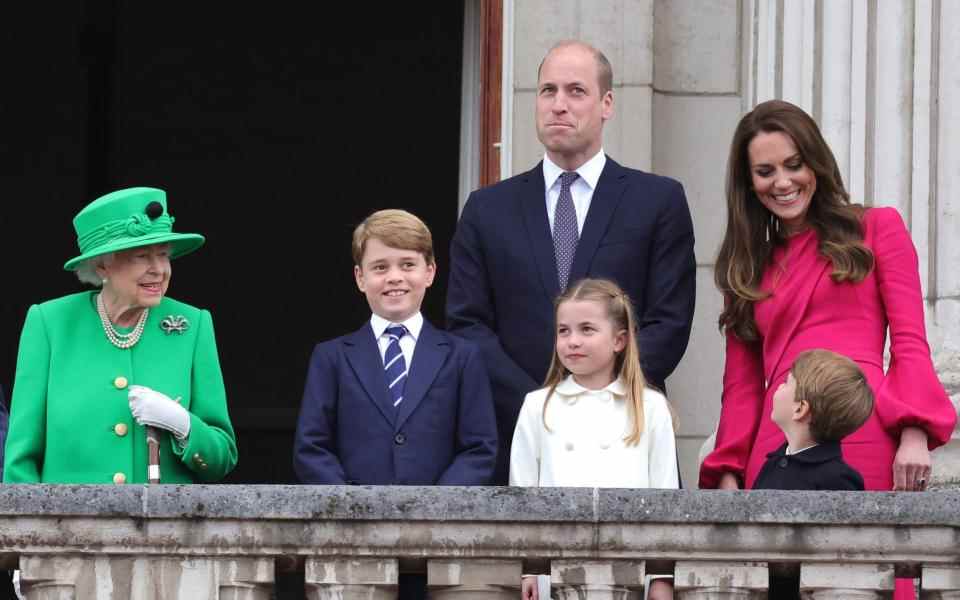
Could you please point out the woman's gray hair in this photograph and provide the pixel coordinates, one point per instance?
(87, 270)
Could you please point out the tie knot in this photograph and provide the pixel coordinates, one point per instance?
(567, 178)
(396, 331)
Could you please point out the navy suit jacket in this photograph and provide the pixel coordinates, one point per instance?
(818, 468)
(443, 433)
(503, 276)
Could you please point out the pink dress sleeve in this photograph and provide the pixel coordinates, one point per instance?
(740, 413)
(911, 394)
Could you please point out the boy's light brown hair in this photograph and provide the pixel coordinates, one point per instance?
(837, 392)
(395, 228)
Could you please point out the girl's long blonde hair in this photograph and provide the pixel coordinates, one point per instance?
(627, 366)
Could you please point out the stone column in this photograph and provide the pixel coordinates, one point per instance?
(470, 579)
(596, 580)
(112, 577)
(940, 583)
(721, 581)
(848, 581)
(351, 579)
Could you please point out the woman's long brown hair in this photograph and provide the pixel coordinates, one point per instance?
(753, 231)
(627, 366)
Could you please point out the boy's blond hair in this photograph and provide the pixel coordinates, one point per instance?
(395, 228)
(837, 392)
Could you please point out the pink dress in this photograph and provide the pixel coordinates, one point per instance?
(809, 310)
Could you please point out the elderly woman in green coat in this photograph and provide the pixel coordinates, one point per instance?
(96, 369)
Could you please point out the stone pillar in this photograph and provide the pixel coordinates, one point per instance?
(940, 583)
(596, 580)
(721, 581)
(111, 577)
(848, 581)
(473, 579)
(351, 579)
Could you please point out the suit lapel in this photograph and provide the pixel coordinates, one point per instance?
(533, 201)
(363, 354)
(428, 356)
(606, 197)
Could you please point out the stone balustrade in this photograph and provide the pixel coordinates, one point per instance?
(351, 543)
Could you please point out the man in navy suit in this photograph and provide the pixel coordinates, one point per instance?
(397, 402)
(576, 214)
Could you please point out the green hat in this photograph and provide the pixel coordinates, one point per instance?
(126, 219)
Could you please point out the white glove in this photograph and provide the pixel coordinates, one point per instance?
(150, 407)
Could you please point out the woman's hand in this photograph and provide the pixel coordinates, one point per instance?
(152, 408)
(911, 465)
(529, 588)
(728, 481)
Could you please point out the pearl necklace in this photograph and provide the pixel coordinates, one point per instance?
(121, 340)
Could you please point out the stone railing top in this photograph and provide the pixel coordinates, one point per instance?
(499, 504)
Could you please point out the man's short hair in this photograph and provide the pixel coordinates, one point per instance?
(604, 68)
(837, 392)
(395, 228)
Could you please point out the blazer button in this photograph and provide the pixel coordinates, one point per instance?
(120, 382)
(119, 478)
(400, 439)
(782, 463)
(120, 429)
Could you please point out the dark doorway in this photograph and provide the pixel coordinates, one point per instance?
(274, 133)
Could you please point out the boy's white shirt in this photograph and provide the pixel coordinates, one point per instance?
(585, 445)
(407, 343)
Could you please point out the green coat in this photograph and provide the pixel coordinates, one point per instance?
(70, 419)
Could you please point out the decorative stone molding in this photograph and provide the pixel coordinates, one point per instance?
(173, 542)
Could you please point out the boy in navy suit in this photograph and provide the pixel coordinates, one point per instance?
(397, 402)
(824, 399)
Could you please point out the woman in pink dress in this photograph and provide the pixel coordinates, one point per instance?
(801, 267)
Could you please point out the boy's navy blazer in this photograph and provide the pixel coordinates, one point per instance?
(443, 433)
(503, 275)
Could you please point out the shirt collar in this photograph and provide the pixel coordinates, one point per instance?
(589, 171)
(821, 453)
(570, 388)
(414, 324)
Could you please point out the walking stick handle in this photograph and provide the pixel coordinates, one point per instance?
(153, 455)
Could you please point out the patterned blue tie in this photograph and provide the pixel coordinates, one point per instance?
(565, 234)
(394, 365)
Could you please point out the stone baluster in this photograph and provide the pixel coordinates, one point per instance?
(702, 580)
(596, 580)
(846, 581)
(940, 582)
(473, 579)
(351, 579)
(116, 577)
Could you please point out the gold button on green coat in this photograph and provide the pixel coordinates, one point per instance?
(120, 382)
(120, 429)
(119, 478)
(53, 411)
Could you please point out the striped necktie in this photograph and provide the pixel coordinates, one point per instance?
(394, 365)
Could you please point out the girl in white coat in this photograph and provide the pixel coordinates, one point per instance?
(595, 423)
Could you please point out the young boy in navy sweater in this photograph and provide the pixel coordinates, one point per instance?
(824, 399)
